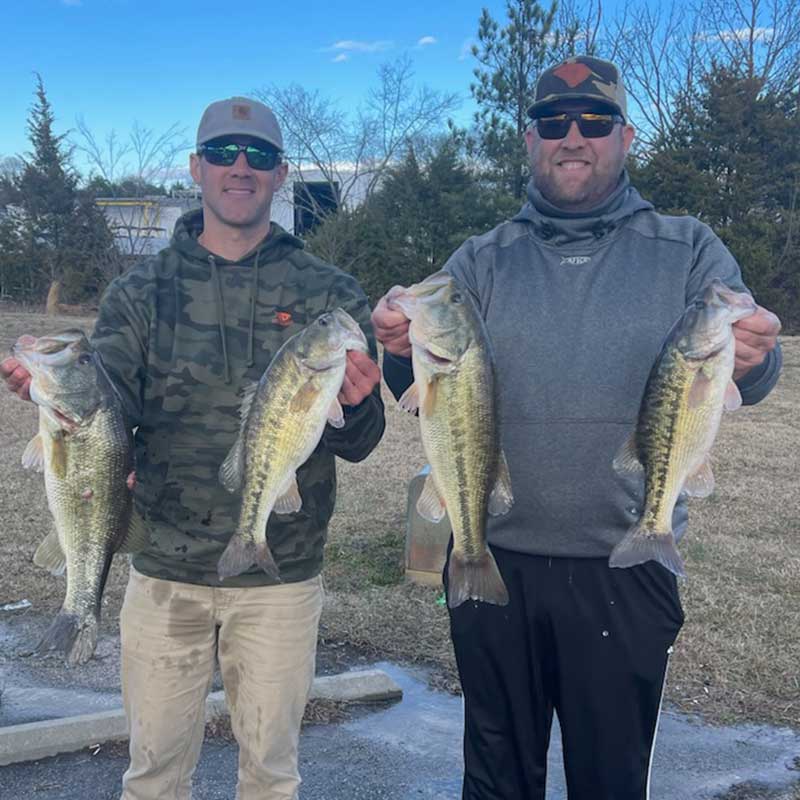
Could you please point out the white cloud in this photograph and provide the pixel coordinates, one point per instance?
(352, 46)
(341, 57)
(466, 49)
(742, 35)
(426, 40)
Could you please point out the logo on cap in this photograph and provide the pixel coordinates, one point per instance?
(240, 111)
(573, 74)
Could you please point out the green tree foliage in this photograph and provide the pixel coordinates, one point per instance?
(423, 210)
(50, 230)
(733, 160)
(130, 186)
(510, 60)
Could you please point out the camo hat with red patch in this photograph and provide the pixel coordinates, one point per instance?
(239, 116)
(581, 78)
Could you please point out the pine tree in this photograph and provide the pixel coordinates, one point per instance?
(51, 233)
(511, 59)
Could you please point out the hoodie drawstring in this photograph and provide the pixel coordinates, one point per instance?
(253, 298)
(221, 316)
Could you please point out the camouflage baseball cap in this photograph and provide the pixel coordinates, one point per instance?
(581, 78)
(239, 116)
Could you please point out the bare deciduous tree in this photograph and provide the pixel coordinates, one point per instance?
(664, 50)
(132, 166)
(657, 51)
(582, 29)
(759, 38)
(105, 158)
(350, 153)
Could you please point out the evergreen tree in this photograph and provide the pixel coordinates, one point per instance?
(51, 233)
(423, 210)
(511, 59)
(733, 160)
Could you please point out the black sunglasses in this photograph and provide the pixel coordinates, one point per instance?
(591, 125)
(224, 154)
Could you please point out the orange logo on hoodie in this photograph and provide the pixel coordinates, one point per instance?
(283, 318)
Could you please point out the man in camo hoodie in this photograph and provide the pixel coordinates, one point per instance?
(180, 335)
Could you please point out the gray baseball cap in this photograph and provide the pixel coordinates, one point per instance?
(239, 116)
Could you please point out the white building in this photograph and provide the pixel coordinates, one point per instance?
(143, 226)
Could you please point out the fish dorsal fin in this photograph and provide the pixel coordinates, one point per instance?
(137, 537)
(502, 498)
(289, 501)
(733, 398)
(409, 401)
(429, 504)
(50, 556)
(335, 414)
(701, 482)
(33, 457)
(700, 390)
(231, 472)
(627, 459)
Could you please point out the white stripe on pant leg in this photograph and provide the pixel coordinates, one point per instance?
(658, 718)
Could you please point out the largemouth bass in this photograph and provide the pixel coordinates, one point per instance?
(688, 388)
(283, 418)
(84, 447)
(454, 393)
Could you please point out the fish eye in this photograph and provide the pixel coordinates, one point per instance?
(455, 297)
(323, 321)
(699, 305)
(85, 358)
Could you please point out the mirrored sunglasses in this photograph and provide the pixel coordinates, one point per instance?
(224, 154)
(591, 126)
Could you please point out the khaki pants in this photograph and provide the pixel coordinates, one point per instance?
(266, 648)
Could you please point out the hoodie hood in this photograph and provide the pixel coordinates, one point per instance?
(274, 246)
(559, 227)
(189, 227)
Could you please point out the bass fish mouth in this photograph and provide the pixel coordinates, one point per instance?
(441, 361)
(66, 422)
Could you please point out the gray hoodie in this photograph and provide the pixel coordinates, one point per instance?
(577, 307)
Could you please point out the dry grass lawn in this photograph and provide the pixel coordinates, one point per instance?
(738, 656)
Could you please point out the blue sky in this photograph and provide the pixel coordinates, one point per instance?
(118, 61)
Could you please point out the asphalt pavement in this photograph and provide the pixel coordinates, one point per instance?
(410, 750)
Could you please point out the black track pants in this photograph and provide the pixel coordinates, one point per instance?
(579, 637)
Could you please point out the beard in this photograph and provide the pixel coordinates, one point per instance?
(581, 196)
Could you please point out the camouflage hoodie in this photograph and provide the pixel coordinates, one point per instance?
(180, 335)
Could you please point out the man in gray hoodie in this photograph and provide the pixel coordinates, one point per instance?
(578, 292)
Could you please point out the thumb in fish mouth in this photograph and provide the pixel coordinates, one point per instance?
(403, 301)
(26, 340)
(392, 296)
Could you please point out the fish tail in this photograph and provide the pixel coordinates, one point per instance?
(641, 545)
(477, 579)
(265, 560)
(239, 555)
(75, 636)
